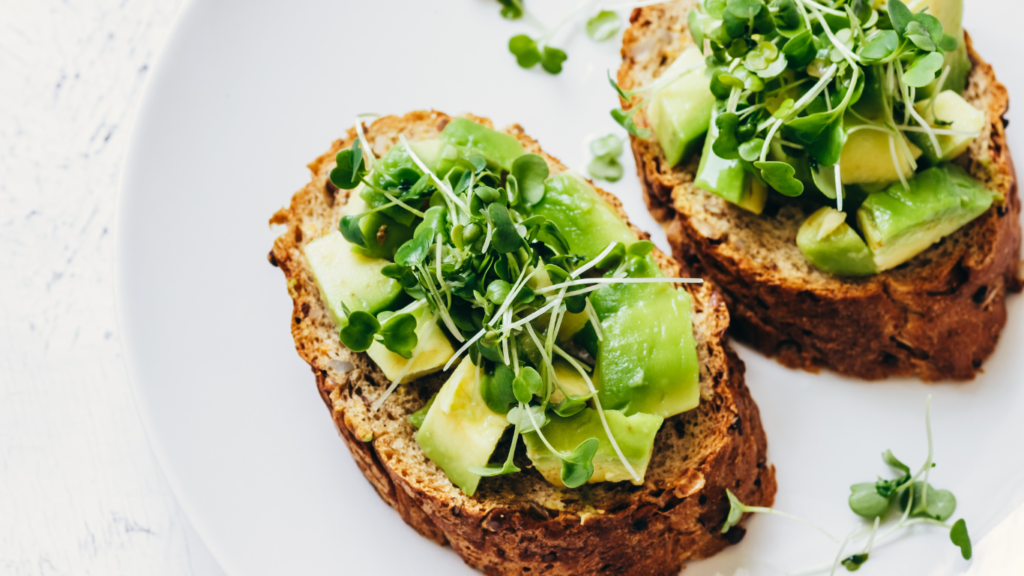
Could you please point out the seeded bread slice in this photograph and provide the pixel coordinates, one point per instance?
(521, 523)
(938, 316)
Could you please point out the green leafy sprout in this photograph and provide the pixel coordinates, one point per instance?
(785, 72)
(917, 500)
(602, 25)
(471, 261)
(605, 164)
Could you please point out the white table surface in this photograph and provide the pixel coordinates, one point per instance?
(80, 492)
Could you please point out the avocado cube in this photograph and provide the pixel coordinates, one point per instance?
(647, 361)
(433, 347)
(634, 434)
(728, 178)
(460, 432)
(901, 223)
(497, 147)
(681, 112)
(588, 223)
(349, 280)
(829, 243)
(948, 111)
(569, 379)
(867, 157)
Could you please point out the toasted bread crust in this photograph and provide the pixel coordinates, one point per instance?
(521, 523)
(937, 317)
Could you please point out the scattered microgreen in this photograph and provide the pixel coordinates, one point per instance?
(959, 537)
(511, 9)
(853, 563)
(603, 25)
(917, 500)
(605, 164)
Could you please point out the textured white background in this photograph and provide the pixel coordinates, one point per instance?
(80, 492)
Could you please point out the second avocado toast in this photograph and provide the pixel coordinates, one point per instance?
(912, 279)
(649, 517)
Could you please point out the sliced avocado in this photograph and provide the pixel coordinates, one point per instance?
(681, 112)
(347, 279)
(435, 351)
(497, 147)
(900, 224)
(727, 178)
(634, 434)
(588, 223)
(867, 158)
(948, 111)
(571, 325)
(569, 380)
(460, 431)
(829, 243)
(647, 361)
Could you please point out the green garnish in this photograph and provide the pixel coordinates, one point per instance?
(603, 25)
(919, 502)
(785, 72)
(398, 332)
(606, 165)
(958, 534)
(511, 9)
(495, 277)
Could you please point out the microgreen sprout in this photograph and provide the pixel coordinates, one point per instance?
(866, 59)
(479, 262)
(919, 502)
(602, 25)
(605, 165)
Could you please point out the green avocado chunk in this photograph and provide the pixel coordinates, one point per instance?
(433, 351)
(497, 147)
(728, 178)
(829, 243)
(460, 432)
(588, 223)
(349, 280)
(647, 360)
(900, 224)
(634, 435)
(950, 111)
(681, 112)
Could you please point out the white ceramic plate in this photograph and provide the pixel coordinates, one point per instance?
(246, 94)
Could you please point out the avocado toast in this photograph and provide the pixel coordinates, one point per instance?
(896, 285)
(530, 519)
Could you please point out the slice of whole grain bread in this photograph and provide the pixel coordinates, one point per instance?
(520, 523)
(938, 316)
